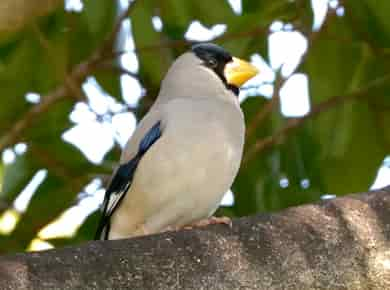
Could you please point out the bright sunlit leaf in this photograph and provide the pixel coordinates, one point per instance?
(294, 96)
(8, 221)
(320, 9)
(228, 199)
(23, 199)
(33, 98)
(286, 49)
(157, 23)
(94, 139)
(197, 31)
(8, 156)
(67, 224)
(236, 6)
(39, 245)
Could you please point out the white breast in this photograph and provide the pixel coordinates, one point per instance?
(184, 175)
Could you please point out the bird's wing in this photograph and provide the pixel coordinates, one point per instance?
(122, 180)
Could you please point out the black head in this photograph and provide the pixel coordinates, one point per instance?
(215, 58)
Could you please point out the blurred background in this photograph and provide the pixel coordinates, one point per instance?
(77, 75)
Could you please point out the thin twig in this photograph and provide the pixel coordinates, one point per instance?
(16, 130)
(108, 44)
(268, 108)
(278, 84)
(265, 143)
(78, 74)
(109, 66)
(257, 31)
(57, 167)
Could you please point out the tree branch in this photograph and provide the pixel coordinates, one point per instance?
(71, 85)
(294, 123)
(108, 45)
(14, 14)
(96, 61)
(256, 31)
(337, 244)
(15, 131)
(265, 111)
(13, 134)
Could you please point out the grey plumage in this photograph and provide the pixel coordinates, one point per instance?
(185, 171)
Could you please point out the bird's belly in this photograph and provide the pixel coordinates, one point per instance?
(189, 182)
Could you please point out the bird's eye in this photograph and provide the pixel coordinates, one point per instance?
(212, 62)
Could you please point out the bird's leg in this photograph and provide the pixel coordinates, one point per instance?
(210, 221)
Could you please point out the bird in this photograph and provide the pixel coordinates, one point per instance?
(185, 152)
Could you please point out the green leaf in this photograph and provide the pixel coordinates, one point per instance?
(152, 65)
(248, 187)
(346, 167)
(50, 200)
(110, 82)
(15, 177)
(337, 68)
(99, 15)
(369, 21)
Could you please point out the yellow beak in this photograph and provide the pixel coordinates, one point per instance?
(238, 71)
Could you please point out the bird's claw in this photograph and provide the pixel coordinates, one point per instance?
(210, 221)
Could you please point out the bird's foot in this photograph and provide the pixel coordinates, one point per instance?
(202, 223)
(210, 221)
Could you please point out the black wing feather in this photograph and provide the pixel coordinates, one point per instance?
(123, 179)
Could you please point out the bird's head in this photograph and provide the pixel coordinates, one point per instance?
(206, 70)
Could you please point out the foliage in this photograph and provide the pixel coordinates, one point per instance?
(338, 147)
